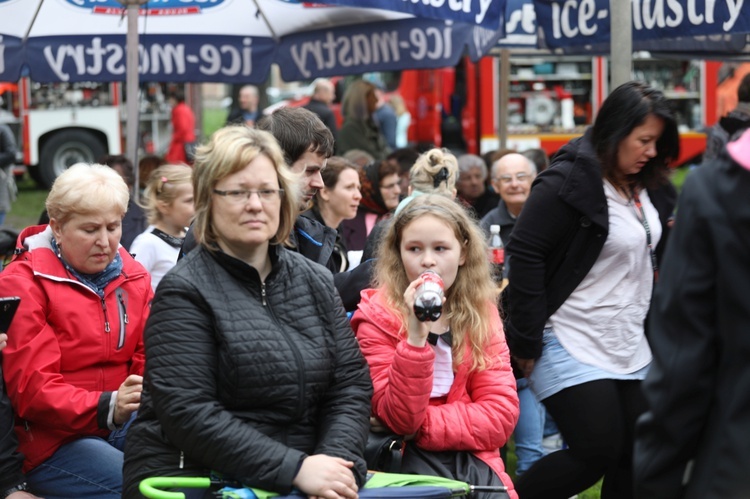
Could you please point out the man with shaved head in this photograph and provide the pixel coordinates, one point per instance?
(323, 96)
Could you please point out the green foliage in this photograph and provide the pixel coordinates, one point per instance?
(679, 175)
(213, 119)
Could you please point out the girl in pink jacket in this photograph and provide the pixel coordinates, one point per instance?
(448, 383)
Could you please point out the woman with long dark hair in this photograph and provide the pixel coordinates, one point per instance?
(585, 254)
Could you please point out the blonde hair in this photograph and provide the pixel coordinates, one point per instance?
(84, 189)
(162, 188)
(428, 170)
(230, 150)
(470, 298)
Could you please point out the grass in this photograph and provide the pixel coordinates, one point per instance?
(213, 119)
(28, 206)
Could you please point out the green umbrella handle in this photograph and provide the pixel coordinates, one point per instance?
(151, 487)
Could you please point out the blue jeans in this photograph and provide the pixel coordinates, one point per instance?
(89, 467)
(530, 428)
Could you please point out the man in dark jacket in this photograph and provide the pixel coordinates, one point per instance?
(511, 176)
(307, 144)
(247, 112)
(692, 441)
(323, 95)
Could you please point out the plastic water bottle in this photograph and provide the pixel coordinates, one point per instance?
(428, 300)
(497, 252)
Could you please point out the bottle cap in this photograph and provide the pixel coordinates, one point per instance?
(494, 229)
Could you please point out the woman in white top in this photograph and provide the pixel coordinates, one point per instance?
(168, 202)
(584, 262)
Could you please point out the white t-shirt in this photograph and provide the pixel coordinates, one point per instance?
(442, 375)
(601, 322)
(155, 254)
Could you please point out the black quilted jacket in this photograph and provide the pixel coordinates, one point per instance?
(246, 378)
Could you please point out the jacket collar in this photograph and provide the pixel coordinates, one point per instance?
(313, 239)
(243, 272)
(36, 242)
(503, 215)
(582, 188)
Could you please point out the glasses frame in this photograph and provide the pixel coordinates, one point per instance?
(231, 195)
(507, 179)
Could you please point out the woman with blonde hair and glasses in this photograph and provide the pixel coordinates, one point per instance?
(252, 369)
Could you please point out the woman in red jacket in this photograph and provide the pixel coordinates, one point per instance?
(449, 382)
(74, 359)
(182, 145)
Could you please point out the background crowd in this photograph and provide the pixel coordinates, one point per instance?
(252, 317)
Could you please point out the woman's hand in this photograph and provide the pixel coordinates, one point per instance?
(3, 341)
(128, 398)
(525, 365)
(326, 477)
(417, 331)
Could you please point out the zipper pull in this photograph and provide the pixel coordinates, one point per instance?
(124, 309)
(182, 459)
(106, 319)
(263, 293)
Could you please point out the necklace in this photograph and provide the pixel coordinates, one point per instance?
(625, 190)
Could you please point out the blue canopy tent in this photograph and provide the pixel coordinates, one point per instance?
(228, 41)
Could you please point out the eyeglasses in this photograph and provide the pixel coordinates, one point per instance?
(240, 196)
(507, 179)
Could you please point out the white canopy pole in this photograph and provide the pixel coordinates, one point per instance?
(502, 122)
(131, 88)
(621, 44)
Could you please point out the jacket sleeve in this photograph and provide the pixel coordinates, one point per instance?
(32, 365)
(401, 376)
(685, 346)
(484, 420)
(350, 284)
(539, 231)
(11, 460)
(138, 363)
(182, 377)
(345, 409)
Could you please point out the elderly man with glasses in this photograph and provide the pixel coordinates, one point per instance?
(511, 178)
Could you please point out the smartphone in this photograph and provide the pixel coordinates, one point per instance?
(8, 307)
